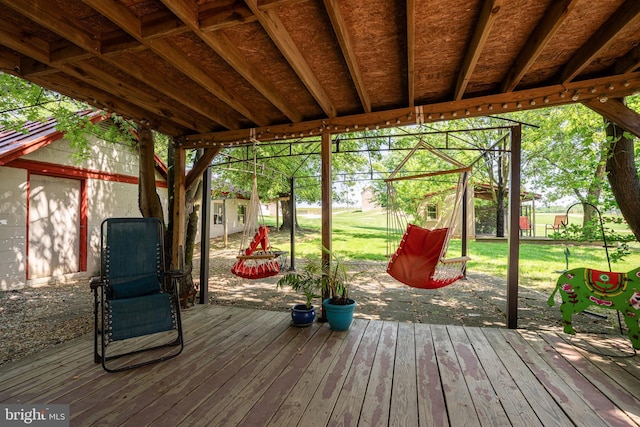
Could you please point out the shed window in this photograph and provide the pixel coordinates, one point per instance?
(432, 212)
(217, 213)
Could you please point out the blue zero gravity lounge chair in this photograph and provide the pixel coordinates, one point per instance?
(136, 304)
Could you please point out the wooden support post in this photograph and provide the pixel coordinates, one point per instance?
(513, 241)
(179, 212)
(325, 155)
(205, 232)
(464, 219)
(292, 212)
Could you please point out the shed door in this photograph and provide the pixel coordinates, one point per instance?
(54, 226)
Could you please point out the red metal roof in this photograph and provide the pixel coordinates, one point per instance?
(14, 144)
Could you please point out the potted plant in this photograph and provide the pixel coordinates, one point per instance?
(308, 282)
(338, 307)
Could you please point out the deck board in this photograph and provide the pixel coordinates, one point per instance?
(251, 368)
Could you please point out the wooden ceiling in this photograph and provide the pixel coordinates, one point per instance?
(219, 71)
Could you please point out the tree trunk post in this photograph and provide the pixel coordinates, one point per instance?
(179, 208)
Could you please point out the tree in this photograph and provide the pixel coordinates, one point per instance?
(565, 154)
(623, 176)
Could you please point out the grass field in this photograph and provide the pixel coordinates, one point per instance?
(363, 236)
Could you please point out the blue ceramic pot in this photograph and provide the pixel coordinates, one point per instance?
(302, 316)
(339, 316)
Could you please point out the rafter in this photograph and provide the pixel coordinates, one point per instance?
(601, 39)
(333, 10)
(274, 27)
(125, 19)
(490, 9)
(537, 41)
(231, 54)
(411, 51)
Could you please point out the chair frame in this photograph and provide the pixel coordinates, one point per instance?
(558, 222)
(99, 285)
(525, 226)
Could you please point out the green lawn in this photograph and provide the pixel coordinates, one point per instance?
(363, 235)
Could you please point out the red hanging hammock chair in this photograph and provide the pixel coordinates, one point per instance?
(419, 260)
(257, 264)
(254, 262)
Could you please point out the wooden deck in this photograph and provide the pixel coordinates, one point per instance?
(249, 367)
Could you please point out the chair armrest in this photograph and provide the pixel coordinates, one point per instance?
(96, 282)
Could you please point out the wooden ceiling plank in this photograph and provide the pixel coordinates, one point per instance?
(411, 51)
(47, 14)
(616, 111)
(559, 94)
(232, 55)
(121, 16)
(543, 33)
(488, 13)
(337, 22)
(600, 40)
(276, 30)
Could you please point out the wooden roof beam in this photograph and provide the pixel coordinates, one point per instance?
(337, 22)
(274, 27)
(232, 55)
(125, 19)
(537, 41)
(488, 13)
(616, 111)
(582, 91)
(411, 51)
(600, 40)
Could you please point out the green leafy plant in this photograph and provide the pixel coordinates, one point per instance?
(308, 281)
(337, 278)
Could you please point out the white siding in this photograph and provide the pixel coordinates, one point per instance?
(13, 220)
